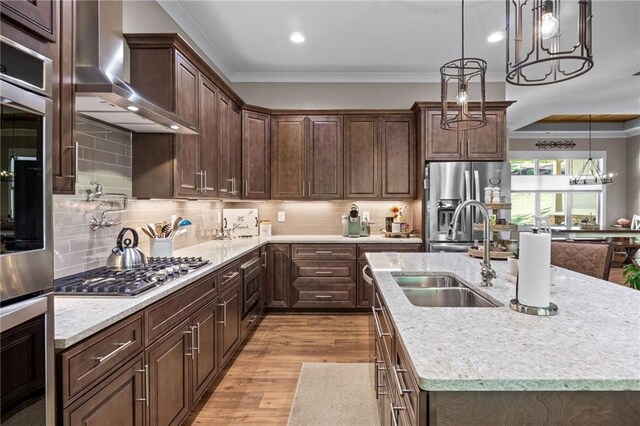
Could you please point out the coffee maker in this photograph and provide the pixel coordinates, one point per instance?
(353, 225)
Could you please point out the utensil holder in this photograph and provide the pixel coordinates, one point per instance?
(161, 247)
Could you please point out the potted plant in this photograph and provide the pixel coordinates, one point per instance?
(632, 276)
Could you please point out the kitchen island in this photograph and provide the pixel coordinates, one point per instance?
(503, 366)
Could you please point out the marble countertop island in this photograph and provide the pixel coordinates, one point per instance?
(78, 317)
(593, 344)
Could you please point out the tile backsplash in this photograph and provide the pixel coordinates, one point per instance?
(104, 155)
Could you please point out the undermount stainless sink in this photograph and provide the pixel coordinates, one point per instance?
(427, 281)
(440, 291)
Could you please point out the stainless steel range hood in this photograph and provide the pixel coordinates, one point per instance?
(101, 92)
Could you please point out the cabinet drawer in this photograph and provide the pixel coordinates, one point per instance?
(252, 255)
(161, 317)
(324, 296)
(323, 251)
(229, 275)
(86, 363)
(407, 387)
(324, 269)
(394, 248)
(116, 399)
(383, 328)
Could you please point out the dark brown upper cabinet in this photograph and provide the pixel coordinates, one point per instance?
(207, 165)
(324, 158)
(36, 17)
(361, 163)
(307, 157)
(256, 163)
(488, 143)
(288, 174)
(398, 150)
(442, 144)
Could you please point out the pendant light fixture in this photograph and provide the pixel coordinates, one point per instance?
(461, 73)
(538, 50)
(590, 173)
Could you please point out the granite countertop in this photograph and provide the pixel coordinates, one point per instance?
(593, 344)
(78, 317)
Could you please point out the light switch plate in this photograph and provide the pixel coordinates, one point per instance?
(280, 216)
(365, 216)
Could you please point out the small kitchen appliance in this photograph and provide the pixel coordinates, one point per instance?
(353, 227)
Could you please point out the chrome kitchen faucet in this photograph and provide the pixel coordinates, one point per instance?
(487, 271)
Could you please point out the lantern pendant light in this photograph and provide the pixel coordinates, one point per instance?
(590, 173)
(538, 51)
(461, 73)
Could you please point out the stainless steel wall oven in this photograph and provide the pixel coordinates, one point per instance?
(26, 241)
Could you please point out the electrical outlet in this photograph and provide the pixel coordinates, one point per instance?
(280, 216)
(365, 216)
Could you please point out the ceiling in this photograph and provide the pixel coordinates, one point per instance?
(406, 41)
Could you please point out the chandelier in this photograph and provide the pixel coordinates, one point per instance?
(590, 173)
(539, 50)
(459, 73)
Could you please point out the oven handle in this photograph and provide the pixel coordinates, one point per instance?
(13, 315)
(22, 99)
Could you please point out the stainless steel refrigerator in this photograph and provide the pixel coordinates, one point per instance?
(447, 185)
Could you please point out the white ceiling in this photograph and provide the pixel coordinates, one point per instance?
(406, 41)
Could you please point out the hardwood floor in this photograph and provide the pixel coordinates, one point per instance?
(258, 385)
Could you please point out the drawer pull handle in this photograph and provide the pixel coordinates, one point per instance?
(231, 275)
(324, 273)
(398, 371)
(120, 348)
(192, 352)
(224, 317)
(198, 340)
(376, 322)
(324, 297)
(145, 371)
(324, 252)
(365, 276)
(394, 415)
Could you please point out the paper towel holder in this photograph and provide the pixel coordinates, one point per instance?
(548, 311)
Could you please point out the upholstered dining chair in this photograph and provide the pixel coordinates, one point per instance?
(593, 259)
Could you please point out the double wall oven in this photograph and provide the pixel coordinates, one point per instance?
(26, 245)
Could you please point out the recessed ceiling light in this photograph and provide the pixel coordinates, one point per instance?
(133, 108)
(296, 37)
(496, 37)
(175, 127)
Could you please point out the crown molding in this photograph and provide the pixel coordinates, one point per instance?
(346, 77)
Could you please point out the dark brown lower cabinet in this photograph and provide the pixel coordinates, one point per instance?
(279, 276)
(168, 361)
(364, 292)
(120, 402)
(205, 360)
(229, 323)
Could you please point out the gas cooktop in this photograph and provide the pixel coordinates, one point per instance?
(105, 282)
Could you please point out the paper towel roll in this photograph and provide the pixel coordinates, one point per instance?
(533, 277)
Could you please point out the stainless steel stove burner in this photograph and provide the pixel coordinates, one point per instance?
(103, 282)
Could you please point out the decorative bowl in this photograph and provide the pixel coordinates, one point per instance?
(623, 221)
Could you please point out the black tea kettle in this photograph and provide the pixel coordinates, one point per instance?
(127, 256)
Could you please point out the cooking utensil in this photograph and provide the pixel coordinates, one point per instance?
(125, 255)
(184, 222)
(179, 232)
(158, 229)
(176, 225)
(146, 231)
(166, 229)
(152, 230)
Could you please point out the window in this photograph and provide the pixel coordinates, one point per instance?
(540, 187)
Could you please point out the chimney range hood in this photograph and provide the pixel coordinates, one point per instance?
(101, 92)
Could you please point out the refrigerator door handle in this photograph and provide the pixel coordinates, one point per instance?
(476, 181)
(467, 185)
